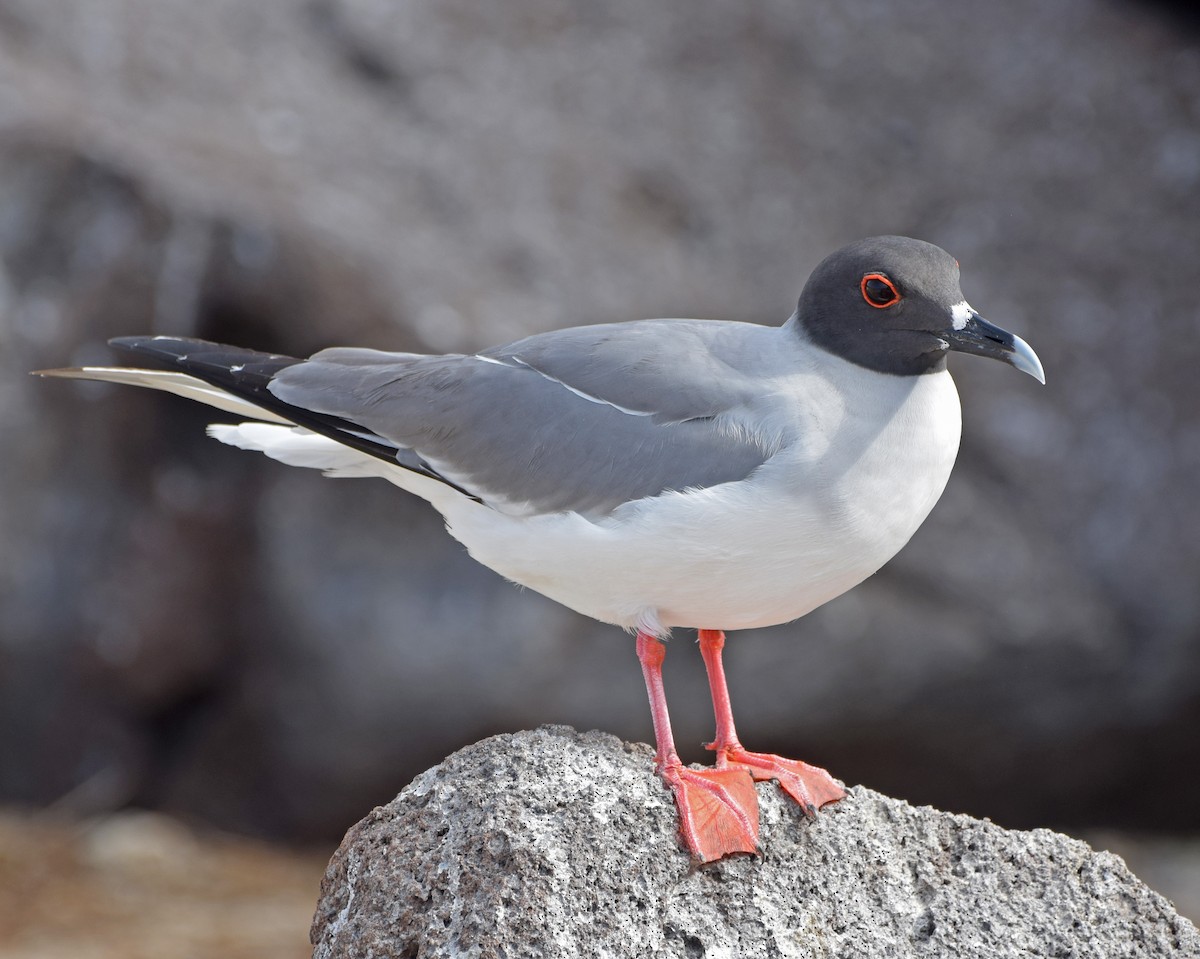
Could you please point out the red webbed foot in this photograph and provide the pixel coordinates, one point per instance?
(810, 786)
(718, 809)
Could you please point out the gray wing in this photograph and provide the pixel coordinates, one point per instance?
(582, 419)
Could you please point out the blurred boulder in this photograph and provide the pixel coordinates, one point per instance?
(187, 627)
(139, 885)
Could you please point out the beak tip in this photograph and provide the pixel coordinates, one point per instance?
(1025, 360)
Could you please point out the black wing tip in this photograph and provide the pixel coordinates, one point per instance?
(139, 343)
(184, 352)
(168, 349)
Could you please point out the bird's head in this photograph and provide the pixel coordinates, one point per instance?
(893, 304)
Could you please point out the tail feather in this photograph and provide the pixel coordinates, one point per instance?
(297, 446)
(237, 381)
(170, 381)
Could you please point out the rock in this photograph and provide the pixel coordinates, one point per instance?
(555, 843)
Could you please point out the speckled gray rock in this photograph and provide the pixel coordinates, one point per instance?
(555, 843)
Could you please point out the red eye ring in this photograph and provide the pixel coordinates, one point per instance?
(879, 291)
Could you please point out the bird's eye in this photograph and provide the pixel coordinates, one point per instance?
(879, 291)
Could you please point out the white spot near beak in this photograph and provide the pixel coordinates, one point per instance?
(959, 314)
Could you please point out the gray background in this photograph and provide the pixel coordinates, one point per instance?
(187, 627)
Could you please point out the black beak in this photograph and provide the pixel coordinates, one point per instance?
(976, 335)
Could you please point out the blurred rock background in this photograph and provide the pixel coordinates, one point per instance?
(191, 629)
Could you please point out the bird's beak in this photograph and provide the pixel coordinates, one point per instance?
(976, 335)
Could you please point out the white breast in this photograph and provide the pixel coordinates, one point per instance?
(867, 459)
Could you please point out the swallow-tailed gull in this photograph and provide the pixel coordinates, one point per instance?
(652, 474)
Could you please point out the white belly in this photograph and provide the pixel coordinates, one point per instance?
(814, 521)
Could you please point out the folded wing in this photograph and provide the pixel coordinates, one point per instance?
(583, 419)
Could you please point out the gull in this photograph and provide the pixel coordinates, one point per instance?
(656, 474)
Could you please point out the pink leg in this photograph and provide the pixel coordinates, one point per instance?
(718, 808)
(811, 786)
